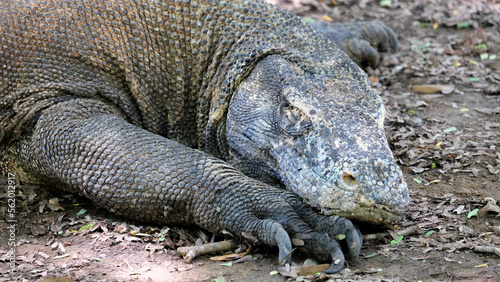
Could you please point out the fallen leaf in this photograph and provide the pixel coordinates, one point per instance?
(420, 258)
(82, 211)
(86, 227)
(429, 233)
(494, 65)
(326, 18)
(295, 271)
(61, 256)
(385, 3)
(488, 208)
(371, 255)
(373, 80)
(308, 20)
(450, 129)
(54, 205)
(472, 213)
(435, 88)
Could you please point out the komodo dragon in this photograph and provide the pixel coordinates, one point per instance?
(198, 112)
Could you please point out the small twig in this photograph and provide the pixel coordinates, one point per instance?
(486, 249)
(401, 232)
(189, 253)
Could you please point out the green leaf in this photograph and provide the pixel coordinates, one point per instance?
(218, 280)
(473, 213)
(418, 181)
(474, 79)
(61, 256)
(482, 46)
(385, 3)
(82, 211)
(308, 20)
(424, 24)
(274, 272)
(88, 226)
(429, 233)
(493, 56)
(411, 112)
(463, 110)
(433, 165)
(396, 241)
(463, 25)
(341, 236)
(97, 259)
(134, 273)
(371, 255)
(420, 45)
(450, 129)
(387, 77)
(484, 56)
(227, 264)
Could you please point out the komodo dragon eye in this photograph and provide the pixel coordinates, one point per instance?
(292, 120)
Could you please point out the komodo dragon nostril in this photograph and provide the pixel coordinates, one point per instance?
(349, 179)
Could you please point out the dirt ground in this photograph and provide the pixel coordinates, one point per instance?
(447, 143)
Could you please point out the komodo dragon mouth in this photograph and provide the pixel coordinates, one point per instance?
(369, 188)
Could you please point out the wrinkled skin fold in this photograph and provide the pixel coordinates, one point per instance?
(231, 115)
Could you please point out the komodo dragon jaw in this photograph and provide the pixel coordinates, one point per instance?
(320, 134)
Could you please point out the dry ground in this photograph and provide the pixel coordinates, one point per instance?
(446, 142)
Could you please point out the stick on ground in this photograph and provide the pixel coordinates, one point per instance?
(486, 249)
(404, 232)
(189, 253)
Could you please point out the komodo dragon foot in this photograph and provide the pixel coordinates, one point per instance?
(360, 40)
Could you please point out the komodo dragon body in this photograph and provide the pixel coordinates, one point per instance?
(197, 112)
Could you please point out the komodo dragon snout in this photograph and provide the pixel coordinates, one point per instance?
(320, 134)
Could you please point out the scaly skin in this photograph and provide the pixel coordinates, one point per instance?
(197, 112)
(360, 40)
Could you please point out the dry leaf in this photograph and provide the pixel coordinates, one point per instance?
(432, 89)
(326, 18)
(373, 80)
(490, 207)
(494, 65)
(295, 271)
(54, 205)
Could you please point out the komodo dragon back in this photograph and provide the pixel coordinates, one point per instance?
(231, 115)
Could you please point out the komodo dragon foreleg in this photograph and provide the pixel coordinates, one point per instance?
(86, 147)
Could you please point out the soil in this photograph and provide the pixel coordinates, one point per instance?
(446, 142)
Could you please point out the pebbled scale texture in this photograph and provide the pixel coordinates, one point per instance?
(125, 102)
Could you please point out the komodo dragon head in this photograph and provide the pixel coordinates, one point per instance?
(320, 134)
